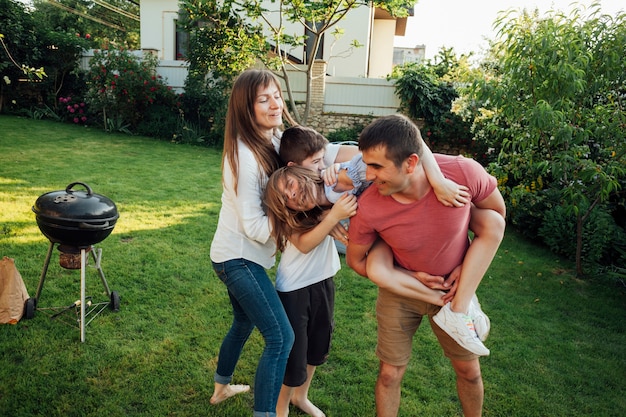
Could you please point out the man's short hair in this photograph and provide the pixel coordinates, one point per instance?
(396, 133)
(299, 143)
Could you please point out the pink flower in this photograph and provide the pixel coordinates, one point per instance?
(76, 119)
(84, 118)
(87, 36)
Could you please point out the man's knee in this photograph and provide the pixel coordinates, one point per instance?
(390, 375)
(468, 371)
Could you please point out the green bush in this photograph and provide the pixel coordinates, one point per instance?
(553, 105)
(424, 95)
(600, 234)
(203, 111)
(124, 88)
(345, 134)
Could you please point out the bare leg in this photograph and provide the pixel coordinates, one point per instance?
(488, 227)
(469, 385)
(300, 396)
(388, 389)
(284, 399)
(225, 391)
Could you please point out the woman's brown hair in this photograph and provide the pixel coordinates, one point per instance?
(241, 123)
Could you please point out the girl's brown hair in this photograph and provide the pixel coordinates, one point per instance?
(285, 221)
(241, 123)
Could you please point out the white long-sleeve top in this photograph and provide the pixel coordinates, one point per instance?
(243, 230)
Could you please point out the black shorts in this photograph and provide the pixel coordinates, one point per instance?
(310, 312)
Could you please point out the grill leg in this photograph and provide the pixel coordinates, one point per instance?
(44, 271)
(83, 262)
(97, 257)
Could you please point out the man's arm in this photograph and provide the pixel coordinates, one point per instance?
(381, 271)
(356, 258)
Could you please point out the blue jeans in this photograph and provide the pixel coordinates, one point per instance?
(255, 303)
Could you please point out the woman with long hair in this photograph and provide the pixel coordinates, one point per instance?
(242, 248)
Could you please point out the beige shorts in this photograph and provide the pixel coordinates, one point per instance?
(398, 320)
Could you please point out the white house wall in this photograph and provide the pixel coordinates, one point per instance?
(343, 60)
(381, 48)
(373, 59)
(158, 27)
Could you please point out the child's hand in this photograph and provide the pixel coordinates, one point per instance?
(340, 233)
(344, 208)
(330, 174)
(450, 194)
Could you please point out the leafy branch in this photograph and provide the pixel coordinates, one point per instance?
(29, 71)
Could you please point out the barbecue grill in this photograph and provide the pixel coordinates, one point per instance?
(75, 220)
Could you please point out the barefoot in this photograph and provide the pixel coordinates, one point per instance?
(309, 408)
(224, 392)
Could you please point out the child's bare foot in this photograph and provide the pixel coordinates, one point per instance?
(225, 391)
(309, 408)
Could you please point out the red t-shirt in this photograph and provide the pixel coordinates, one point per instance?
(424, 235)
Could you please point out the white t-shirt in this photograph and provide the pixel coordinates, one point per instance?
(297, 270)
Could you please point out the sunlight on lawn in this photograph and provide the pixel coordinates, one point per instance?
(16, 206)
(135, 217)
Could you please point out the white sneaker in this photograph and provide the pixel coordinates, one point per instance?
(481, 321)
(461, 328)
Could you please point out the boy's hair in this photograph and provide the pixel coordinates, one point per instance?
(396, 133)
(299, 143)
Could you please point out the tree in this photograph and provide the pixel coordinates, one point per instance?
(110, 23)
(20, 47)
(237, 26)
(557, 105)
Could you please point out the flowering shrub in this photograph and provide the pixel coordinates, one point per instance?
(122, 88)
(73, 110)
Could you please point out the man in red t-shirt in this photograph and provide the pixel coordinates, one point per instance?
(401, 208)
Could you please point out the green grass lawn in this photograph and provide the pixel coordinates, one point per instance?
(557, 343)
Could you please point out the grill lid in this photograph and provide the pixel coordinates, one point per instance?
(71, 205)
